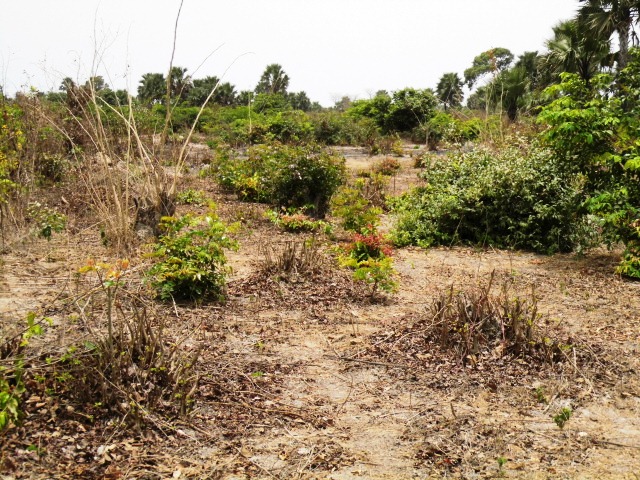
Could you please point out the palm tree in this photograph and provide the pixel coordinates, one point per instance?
(180, 83)
(300, 101)
(224, 94)
(449, 90)
(273, 80)
(512, 90)
(151, 88)
(531, 63)
(572, 50)
(603, 18)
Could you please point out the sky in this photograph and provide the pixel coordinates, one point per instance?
(329, 48)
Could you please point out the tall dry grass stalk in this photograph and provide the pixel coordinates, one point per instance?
(130, 179)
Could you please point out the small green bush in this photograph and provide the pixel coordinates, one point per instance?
(369, 256)
(46, 220)
(52, 167)
(9, 402)
(192, 197)
(507, 199)
(357, 205)
(369, 244)
(13, 370)
(191, 264)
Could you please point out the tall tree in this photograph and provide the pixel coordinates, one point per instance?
(478, 99)
(531, 62)
(96, 84)
(245, 97)
(492, 62)
(180, 84)
(572, 50)
(152, 88)
(344, 103)
(603, 18)
(67, 84)
(513, 87)
(273, 80)
(224, 94)
(300, 101)
(449, 90)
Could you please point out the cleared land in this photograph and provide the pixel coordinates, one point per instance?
(306, 378)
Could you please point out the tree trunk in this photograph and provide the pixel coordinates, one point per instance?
(623, 38)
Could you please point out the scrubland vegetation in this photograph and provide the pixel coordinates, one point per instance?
(144, 333)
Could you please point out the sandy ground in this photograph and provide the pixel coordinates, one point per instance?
(330, 391)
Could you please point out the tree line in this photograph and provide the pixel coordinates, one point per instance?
(581, 45)
(498, 81)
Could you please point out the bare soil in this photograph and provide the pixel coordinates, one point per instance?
(309, 378)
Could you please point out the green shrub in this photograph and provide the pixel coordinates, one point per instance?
(13, 370)
(401, 111)
(446, 128)
(191, 264)
(192, 197)
(306, 176)
(52, 167)
(355, 206)
(333, 128)
(283, 175)
(592, 128)
(508, 199)
(289, 127)
(369, 256)
(369, 244)
(46, 220)
(9, 402)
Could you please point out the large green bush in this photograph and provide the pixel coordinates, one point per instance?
(334, 128)
(402, 111)
(283, 175)
(289, 127)
(514, 198)
(445, 127)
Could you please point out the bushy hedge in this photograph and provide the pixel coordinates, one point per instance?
(514, 198)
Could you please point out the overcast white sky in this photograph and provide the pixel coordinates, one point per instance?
(329, 48)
